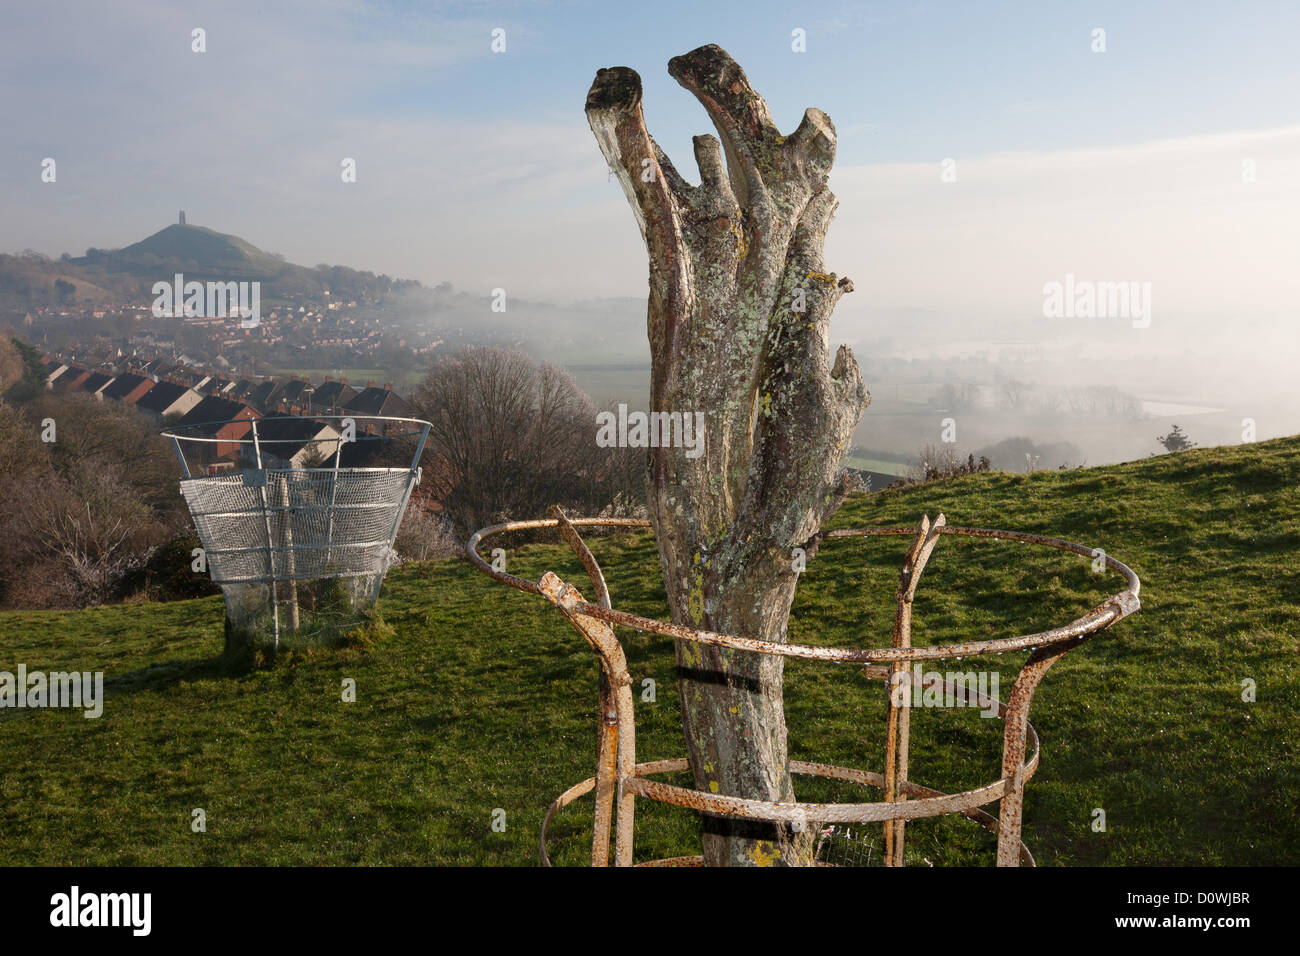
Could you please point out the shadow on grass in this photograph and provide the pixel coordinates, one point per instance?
(153, 677)
(170, 673)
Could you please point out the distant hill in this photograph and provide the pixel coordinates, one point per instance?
(592, 332)
(208, 250)
(107, 276)
(203, 254)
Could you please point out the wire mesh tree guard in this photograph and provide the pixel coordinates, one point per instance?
(620, 779)
(285, 525)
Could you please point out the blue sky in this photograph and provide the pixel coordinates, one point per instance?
(912, 81)
(478, 168)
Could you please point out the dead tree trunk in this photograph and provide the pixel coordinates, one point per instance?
(738, 321)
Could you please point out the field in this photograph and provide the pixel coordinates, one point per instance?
(882, 465)
(357, 377)
(483, 699)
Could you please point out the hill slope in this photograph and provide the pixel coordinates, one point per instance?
(112, 277)
(484, 699)
(212, 252)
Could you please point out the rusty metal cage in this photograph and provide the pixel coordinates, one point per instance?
(619, 779)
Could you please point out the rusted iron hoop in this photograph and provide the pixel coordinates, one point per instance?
(967, 803)
(1113, 609)
(593, 622)
(808, 810)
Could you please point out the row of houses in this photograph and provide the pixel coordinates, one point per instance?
(272, 396)
(220, 411)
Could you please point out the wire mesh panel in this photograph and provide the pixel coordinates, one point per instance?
(260, 526)
(297, 548)
(848, 846)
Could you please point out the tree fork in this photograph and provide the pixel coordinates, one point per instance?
(738, 322)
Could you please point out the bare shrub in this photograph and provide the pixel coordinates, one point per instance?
(937, 462)
(425, 535)
(82, 513)
(91, 533)
(510, 438)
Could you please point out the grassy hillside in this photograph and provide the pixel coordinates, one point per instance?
(112, 276)
(217, 252)
(484, 698)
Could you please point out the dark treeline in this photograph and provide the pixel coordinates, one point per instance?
(89, 509)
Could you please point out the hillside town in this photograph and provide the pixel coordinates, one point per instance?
(200, 403)
(322, 334)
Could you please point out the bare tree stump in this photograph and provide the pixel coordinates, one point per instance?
(738, 321)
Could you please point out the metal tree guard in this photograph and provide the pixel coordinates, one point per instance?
(276, 511)
(619, 779)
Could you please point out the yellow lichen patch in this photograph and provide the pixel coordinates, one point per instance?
(742, 247)
(695, 599)
(828, 277)
(713, 786)
(764, 853)
(692, 657)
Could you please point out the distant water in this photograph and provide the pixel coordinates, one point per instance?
(608, 384)
(1167, 409)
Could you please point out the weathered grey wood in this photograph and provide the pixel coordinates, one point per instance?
(732, 261)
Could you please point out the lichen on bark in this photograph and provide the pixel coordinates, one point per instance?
(738, 321)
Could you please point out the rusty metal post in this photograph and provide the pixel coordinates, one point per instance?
(286, 525)
(601, 638)
(606, 712)
(606, 769)
(1016, 719)
(898, 732)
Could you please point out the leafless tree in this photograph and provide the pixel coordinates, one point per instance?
(79, 513)
(509, 438)
(1013, 392)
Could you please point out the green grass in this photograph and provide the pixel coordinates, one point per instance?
(880, 465)
(484, 698)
